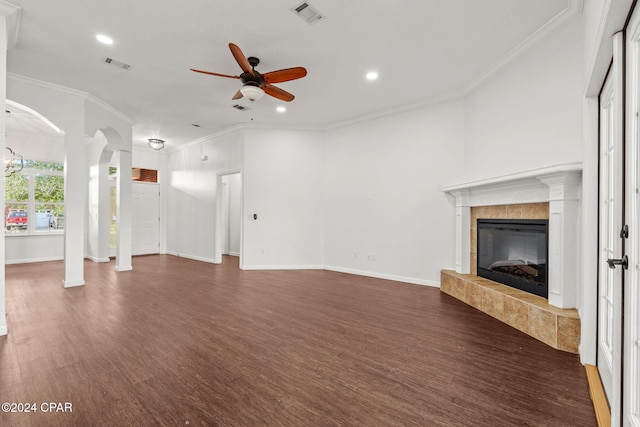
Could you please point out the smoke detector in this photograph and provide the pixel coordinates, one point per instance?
(308, 13)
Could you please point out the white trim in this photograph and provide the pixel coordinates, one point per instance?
(193, 257)
(31, 260)
(533, 173)
(13, 14)
(282, 267)
(571, 12)
(612, 19)
(393, 277)
(46, 85)
(4, 330)
(437, 99)
(72, 283)
(33, 112)
(69, 91)
(96, 259)
(233, 254)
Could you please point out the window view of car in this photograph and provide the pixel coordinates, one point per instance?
(16, 220)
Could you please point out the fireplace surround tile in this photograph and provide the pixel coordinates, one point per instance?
(531, 314)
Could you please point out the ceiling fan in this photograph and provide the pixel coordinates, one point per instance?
(256, 84)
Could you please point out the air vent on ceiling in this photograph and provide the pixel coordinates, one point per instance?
(240, 107)
(117, 63)
(308, 13)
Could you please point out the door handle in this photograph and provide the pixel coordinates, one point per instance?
(624, 262)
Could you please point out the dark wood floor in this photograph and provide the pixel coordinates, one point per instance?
(178, 342)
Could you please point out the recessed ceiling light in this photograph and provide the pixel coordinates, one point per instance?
(372, 75)
(281, 109)
(104, 39)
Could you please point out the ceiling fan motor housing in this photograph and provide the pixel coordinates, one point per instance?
(255, 80)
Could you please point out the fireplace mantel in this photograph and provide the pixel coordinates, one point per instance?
(560, 186)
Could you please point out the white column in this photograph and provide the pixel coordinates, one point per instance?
(75, 203)
(563, 237)
(104, 212)
(463, 231)
(124, 207)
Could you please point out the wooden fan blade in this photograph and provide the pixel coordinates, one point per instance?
(238, 95)
(242, 60)
(215, 74)
(276, 92)
(285, 75)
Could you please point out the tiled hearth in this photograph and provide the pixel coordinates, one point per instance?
(531, 314)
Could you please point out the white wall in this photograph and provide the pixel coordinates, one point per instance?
(190, 189)
(282, 184)
(382, 186)
(529, 114)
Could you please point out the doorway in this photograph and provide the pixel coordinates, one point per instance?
(618, 344)
(611, 214)
(228, 229)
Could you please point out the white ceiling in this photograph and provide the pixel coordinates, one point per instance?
(422, 50)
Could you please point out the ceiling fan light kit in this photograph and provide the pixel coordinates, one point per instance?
(251, 92)
(255, 85)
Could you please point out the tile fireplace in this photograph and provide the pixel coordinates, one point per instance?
(547, 196)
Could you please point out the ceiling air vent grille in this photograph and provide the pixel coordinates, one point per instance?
(308, 13)
(117, 63)
(240, 107)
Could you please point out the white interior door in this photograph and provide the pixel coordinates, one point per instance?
(145, 218)
(611, 213)
(631, 337)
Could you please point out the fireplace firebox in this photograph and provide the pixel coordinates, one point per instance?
(514, 252)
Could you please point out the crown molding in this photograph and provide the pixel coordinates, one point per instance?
(439, 99)
(12, 13)
(242, 127)
(566, 16)
(73, 92)
(46, 85)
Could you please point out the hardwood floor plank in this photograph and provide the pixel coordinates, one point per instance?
(177, 341)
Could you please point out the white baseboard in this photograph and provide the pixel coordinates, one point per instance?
(4, 330)
(395, 278)
(29, 260)
(234, 253)
(282, 267)
(193, 257)
(96, 259)
(72, 283)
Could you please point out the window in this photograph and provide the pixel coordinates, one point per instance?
(34, 199)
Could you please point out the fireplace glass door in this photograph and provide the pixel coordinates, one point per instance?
(514, 252)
